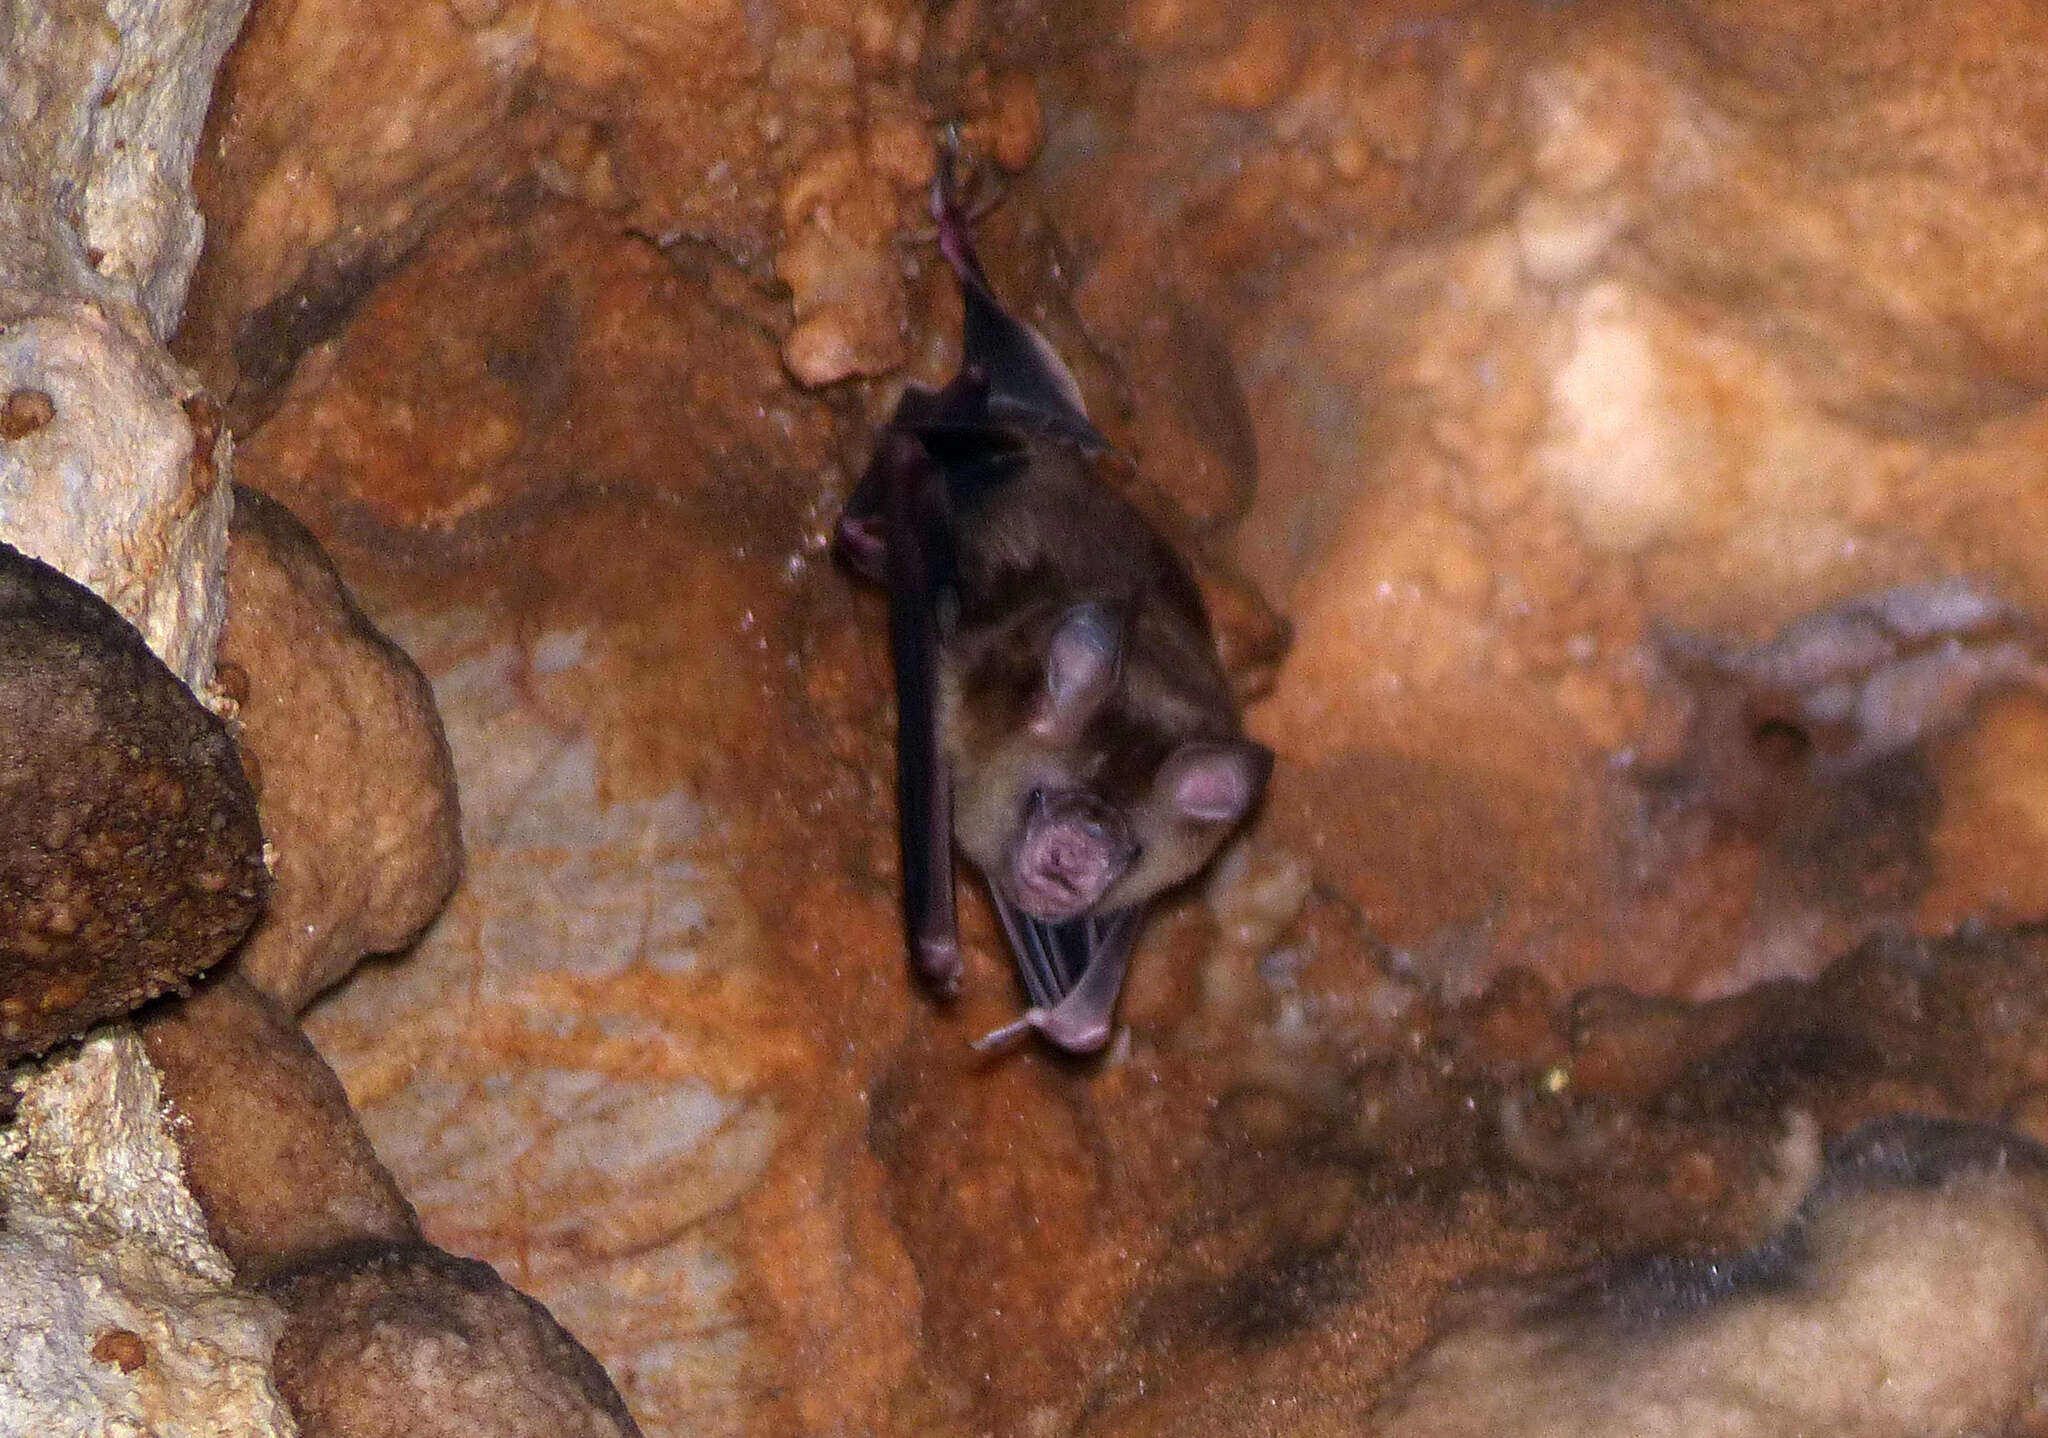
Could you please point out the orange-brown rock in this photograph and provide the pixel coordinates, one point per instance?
(357, 789)
(273, 1153)
(798, 146)
(130, 855)
(405, 1341)
(384, 1333)
(1550, 334)
(1492, 342)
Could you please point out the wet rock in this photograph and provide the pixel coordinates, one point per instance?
(273, 1155)
(116, 1310)
(358, 792)
(130, 854)
(1902, 1298)
(406, 1341)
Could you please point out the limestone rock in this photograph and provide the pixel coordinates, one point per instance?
(408, 1342)
(130, 854)
(119, 486)
(1555, 330)
(1465, 327)
(385, 1334)
(117, 1313)
(273, 1155)
(358, 792)
(600, 1070)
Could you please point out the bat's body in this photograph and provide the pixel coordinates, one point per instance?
(1063, 712)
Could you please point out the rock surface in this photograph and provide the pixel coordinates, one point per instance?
(1510, 298)
(358, 798)
(1524, 356)
(609, 1114)
(1843, 1321)
(273, 1155)
(116, 1311)
(118, 485)
(382, 1334)
(408, 1342)
(795, 151)
(130, 854)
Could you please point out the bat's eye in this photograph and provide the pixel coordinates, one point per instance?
(1036, 801)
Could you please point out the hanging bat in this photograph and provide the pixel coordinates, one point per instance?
(1062, 712)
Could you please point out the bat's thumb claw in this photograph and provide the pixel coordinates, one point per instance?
(939, 961)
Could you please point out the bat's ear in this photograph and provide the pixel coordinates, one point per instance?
(1081, 668)
(1216, 782)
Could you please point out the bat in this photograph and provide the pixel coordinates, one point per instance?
(1063, 715)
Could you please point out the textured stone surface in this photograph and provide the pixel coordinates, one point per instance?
(383, 1333)
(99, 233)
(797, 149)
(407, 1342)
(273, 1155)
(589, 1071)
(116, 1311)
(604, 1069)
(1845, 1320)
(358, 793)
(1555, 329)
(1482, 335)
(130, 856)
(595, 1114)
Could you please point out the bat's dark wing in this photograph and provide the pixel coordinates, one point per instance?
(1073, 972)
(1027, 382)
(898, 528)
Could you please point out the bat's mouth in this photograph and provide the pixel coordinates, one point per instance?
(1073, 848)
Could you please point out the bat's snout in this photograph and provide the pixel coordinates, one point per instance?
(1073, 848)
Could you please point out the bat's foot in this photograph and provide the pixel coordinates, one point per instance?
(955, 230)
(1077, 1033)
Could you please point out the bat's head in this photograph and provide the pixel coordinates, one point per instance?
(1099, 799)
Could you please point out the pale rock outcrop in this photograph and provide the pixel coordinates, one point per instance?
(115, 1307)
